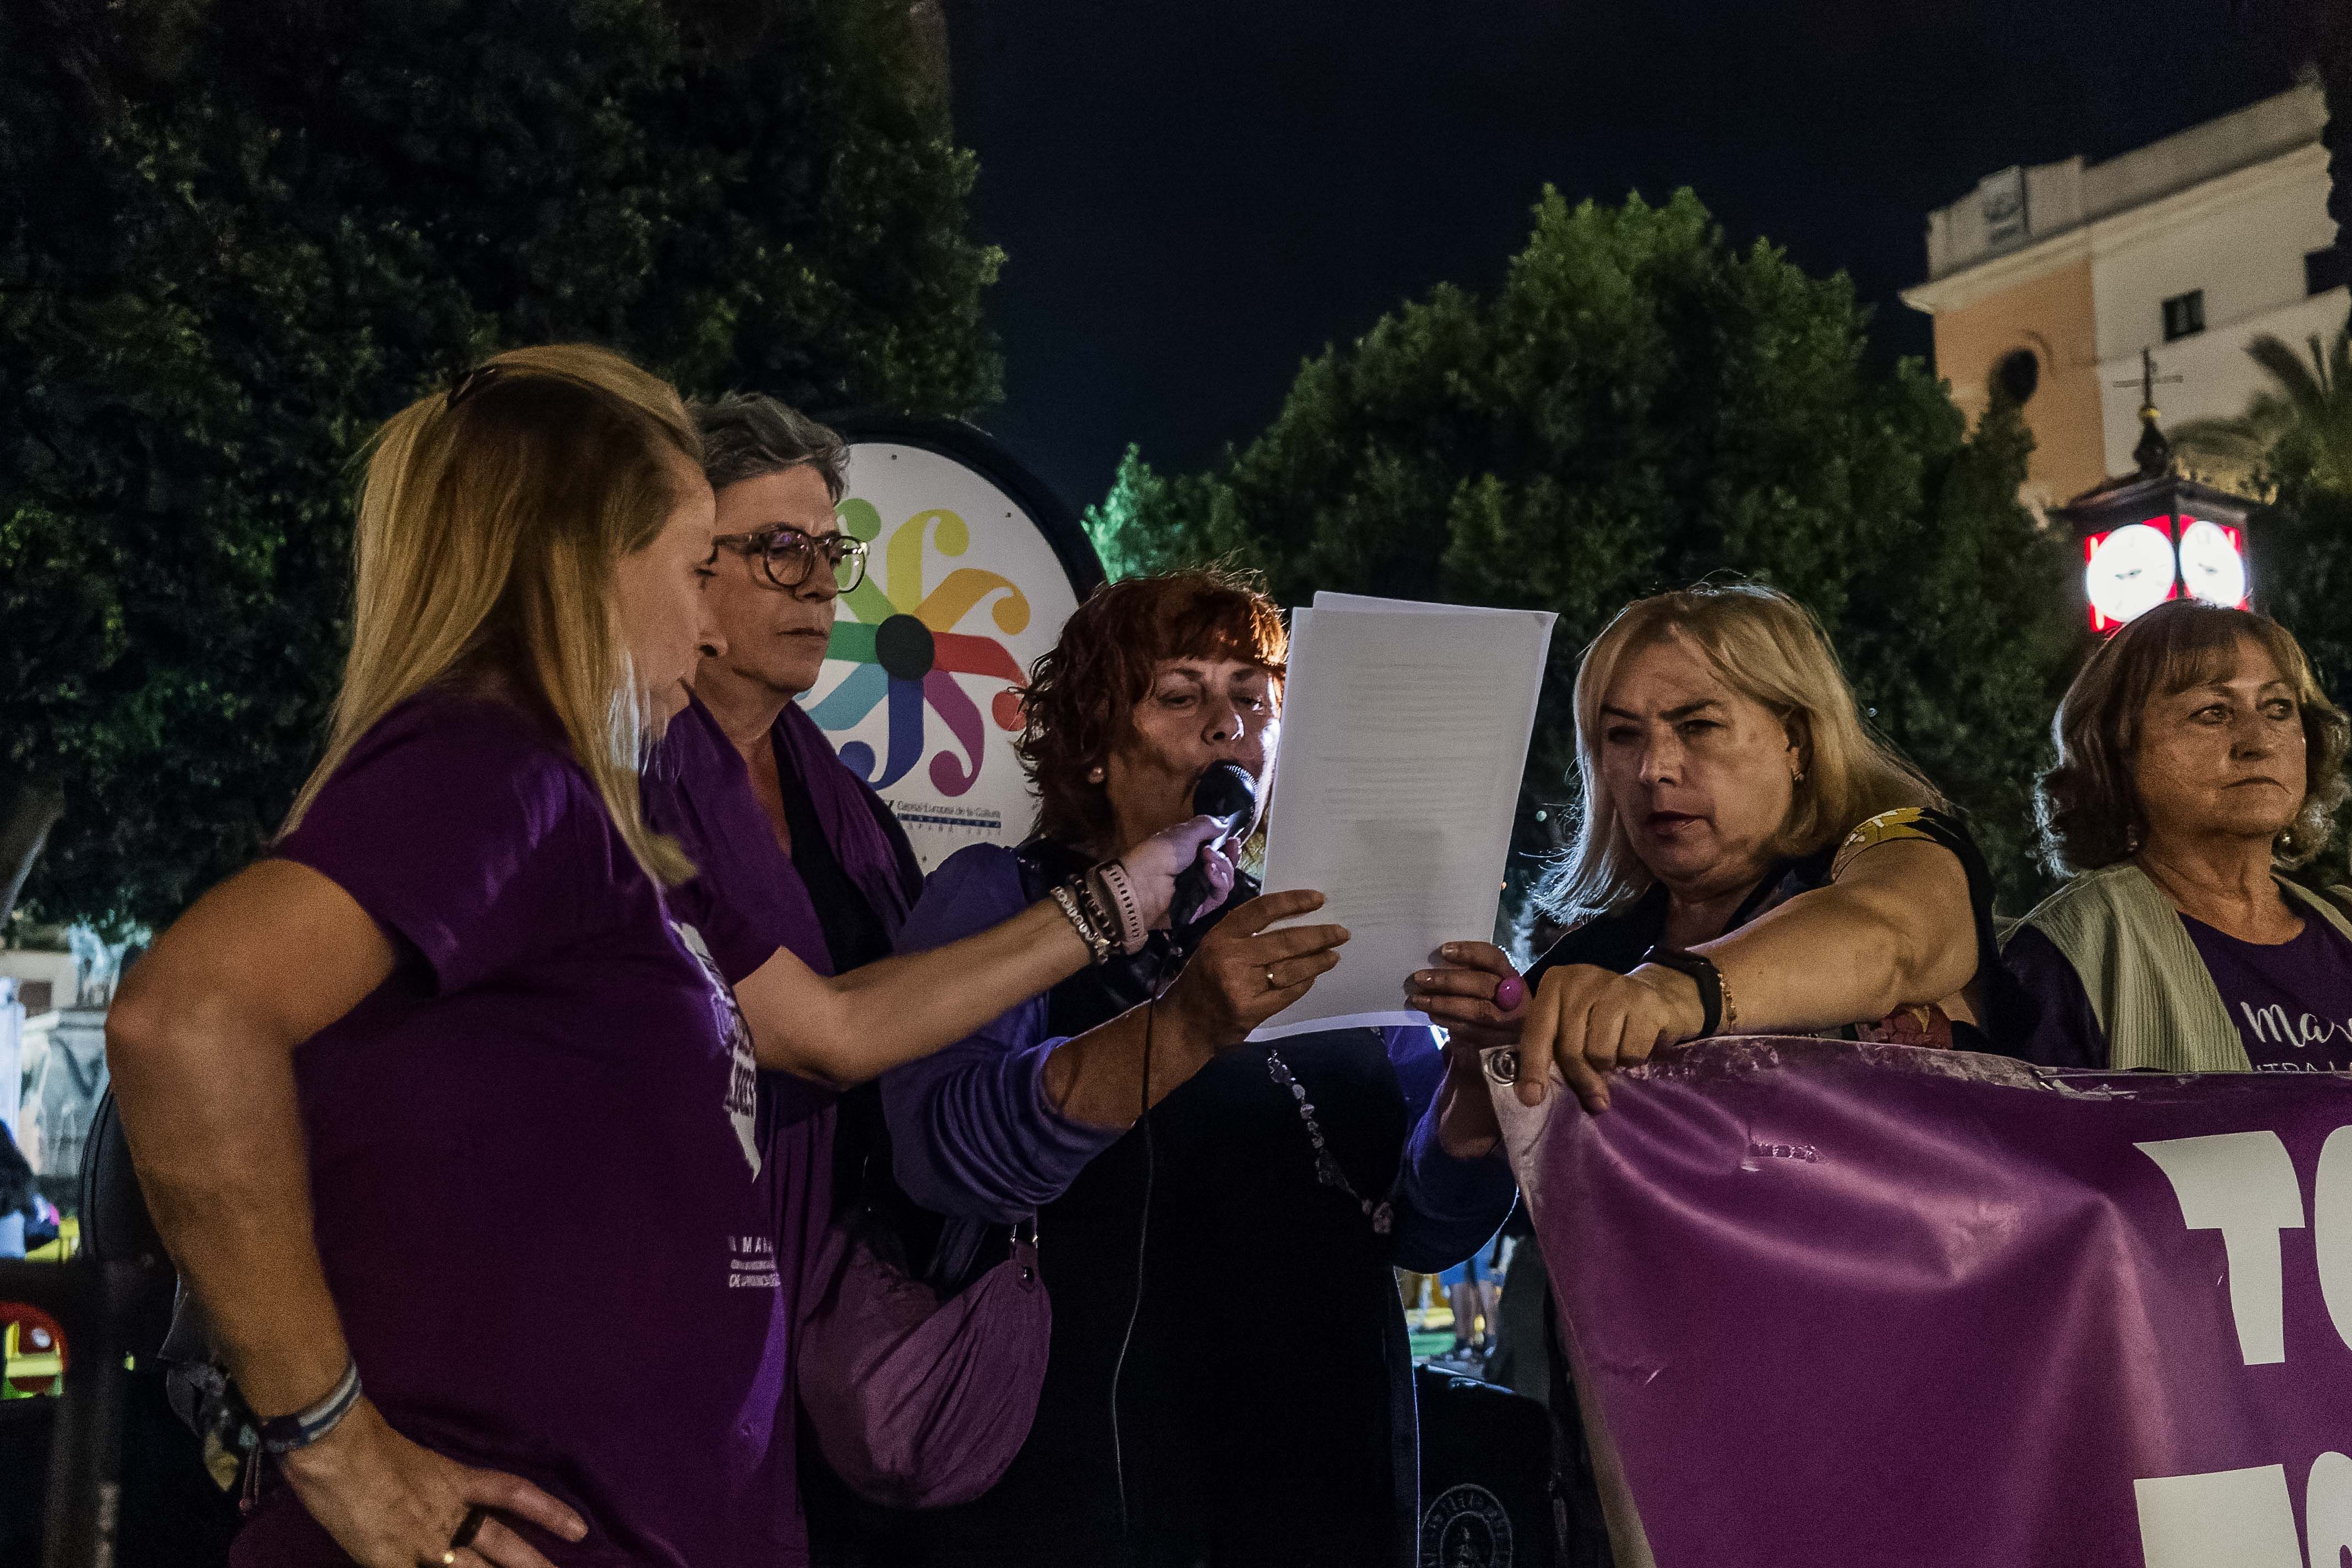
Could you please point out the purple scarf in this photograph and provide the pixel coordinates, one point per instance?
(846, 808)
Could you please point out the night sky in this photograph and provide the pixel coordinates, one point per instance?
(1195, 194)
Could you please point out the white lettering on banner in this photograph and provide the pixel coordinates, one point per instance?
(2224, 1520)
(2331, 1220)
(2244, 1518)
(2229, 1518)
(2327, 1511)
(2243, 1185)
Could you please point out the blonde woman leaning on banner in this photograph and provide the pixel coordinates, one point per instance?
(445, 1109)
(2198, 760)
(1751, 860)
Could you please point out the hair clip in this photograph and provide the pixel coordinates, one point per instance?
(473, 381)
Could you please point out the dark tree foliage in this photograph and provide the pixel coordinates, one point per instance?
(2304, 563)
(2304, 538)
(236, 235)
(1639, 406)
(2293, 445)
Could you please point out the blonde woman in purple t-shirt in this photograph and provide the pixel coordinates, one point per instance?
(445, 1110)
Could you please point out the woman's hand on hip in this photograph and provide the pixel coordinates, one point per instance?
(1586, 1021)
(392, 1504)
(1475, 994)
(1154, 865)
(1242, 974)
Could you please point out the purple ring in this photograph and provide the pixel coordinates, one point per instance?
(1510, 992)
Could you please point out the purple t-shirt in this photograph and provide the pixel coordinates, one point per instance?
(2292, 1001)
(746, 894)
(537, 1157)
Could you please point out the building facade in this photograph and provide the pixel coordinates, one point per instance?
(2049, 281)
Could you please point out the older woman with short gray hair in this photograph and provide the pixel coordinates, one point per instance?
(784, 562)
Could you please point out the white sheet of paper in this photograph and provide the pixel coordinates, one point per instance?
(1404, 731)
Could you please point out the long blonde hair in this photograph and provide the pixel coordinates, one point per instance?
(491, 519)
(1767, 647)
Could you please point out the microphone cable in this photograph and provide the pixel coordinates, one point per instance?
(1144, 1233)
(1158, 982)
(1143, 1240)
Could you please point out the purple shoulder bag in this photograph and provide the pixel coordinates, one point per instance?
(918, 1402)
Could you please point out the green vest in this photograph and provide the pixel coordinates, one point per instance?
(2143, 975)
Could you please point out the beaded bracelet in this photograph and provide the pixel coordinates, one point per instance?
(1119, 892)
(1090, 900)
(1097, 943)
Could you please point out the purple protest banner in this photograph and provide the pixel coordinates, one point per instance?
(1843, 1304)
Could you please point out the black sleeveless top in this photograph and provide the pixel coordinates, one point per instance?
(1256, 1419)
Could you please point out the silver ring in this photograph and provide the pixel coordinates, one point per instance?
(1503, 1065)
(1272, 983)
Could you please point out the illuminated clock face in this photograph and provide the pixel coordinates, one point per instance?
(2210, 565)
(2129, 572)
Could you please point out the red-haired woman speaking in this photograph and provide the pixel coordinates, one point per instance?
(1165, 1158)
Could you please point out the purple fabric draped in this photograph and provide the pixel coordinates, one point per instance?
(1872, 1304)
(745, 893)
(699, 791)
(842, 805)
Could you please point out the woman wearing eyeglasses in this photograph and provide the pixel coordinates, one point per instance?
(807, 857)
(782, 562)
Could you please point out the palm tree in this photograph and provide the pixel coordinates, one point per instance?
(2301, 425)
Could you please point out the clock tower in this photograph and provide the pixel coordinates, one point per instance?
(2154, 535)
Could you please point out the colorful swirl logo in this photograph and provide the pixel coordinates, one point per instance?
(906, 650)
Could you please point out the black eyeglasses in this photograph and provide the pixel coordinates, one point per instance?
(788, 555)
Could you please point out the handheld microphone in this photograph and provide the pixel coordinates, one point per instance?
(1229, 794)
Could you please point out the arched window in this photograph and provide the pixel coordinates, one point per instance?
(2016, 375)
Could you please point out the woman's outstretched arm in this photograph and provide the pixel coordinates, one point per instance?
(851, 1027)
(1896, 928)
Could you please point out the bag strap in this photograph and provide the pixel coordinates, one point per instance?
(946, 1252)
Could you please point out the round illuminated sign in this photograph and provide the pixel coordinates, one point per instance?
(2210, 565)
(2129, 572)
(971, 568)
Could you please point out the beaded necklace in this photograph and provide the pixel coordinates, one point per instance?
(1327, 1169)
